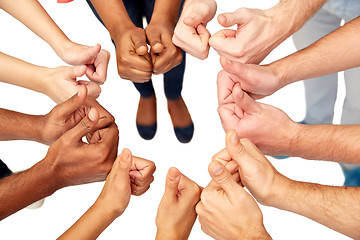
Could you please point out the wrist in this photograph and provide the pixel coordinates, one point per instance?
(284, 18)
(167, 234)
(48, 177)
(125, 26)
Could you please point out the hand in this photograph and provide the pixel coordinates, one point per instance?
(257, 173)
(62, 83)
(67, 115)
(227, 211)
(190, 33)
(268, 127)
(95, 59)
(257, 81)
(133, 60)
(116, 192)
(176, 213)
(75, 162)
(141, 175)
(257, 34)
(164, 54)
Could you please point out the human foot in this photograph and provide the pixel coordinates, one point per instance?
(181, 119)
(146, 117)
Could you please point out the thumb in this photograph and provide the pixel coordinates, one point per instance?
(122, 166)
(239, 17)
(139, 41)
(222, 177)
(244, 101)
(85, 126)
(69, 106)
(193, 21)
(172, 183)
(75, 72)
(92, 52)
(154, 38)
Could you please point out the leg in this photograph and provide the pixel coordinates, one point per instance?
(320, 93)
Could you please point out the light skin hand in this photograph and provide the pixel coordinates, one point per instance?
(176, 213)
(75, 162)
(65, 116)
(190, 33)
(254, 120)
(133, 60)
(111, 203)
(95, 59)
(141, 175)
(62, 83)
(257, 81)
(164, 54)
(226, 210)
(257, 34)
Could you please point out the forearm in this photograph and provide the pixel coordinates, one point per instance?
(335, 52)
(326, 142)
(17, 72)
(33, 16)
(94, 221)
(21, 189)
(334, 207)
(19, 126)
(166, 11)
(114, 15)
(283, 13)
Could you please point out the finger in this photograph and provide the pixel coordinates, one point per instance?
(240, 16)
(223, 157)
(204, 34)
(143, 182)
(172, 183)
(138, 192)
(69, 106)
(98, 71)
(139, 41)
(244, 101)
(122, 166)
(85, 126)
(225, 85)
(223, 178)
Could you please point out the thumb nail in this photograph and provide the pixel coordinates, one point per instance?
(173, 174)
(126, 154)
(92, 114)
(234, 138)
(217, 170)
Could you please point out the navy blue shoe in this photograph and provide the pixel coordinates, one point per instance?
(4, 170)
(184, 135)
(285, 157)
(147, 132)
(352, 176)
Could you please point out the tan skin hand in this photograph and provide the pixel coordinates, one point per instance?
(67, 115)
(164, 54)
(133, 60)
(176, 213)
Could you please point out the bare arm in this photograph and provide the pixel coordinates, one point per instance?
(328, 55)
(33, 16)
(19, 126)
(21, 189)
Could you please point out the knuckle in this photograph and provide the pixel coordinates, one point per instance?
(85, 125)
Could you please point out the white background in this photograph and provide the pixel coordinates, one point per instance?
(62, 209)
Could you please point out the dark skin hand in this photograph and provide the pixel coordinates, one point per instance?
(133, 60)
(164, 54)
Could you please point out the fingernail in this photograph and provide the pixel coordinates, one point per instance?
(217, 170)
(234, 138)
(173, 174)
(92, 114)
(125, 154)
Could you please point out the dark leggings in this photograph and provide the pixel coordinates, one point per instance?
(173, 79)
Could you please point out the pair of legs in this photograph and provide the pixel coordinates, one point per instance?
(173, 80)
(321, 92)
